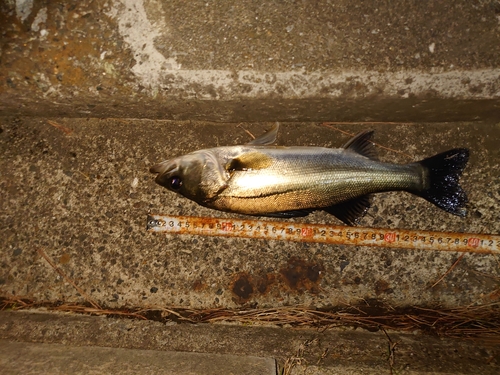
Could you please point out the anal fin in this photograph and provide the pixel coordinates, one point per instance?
(351, 211)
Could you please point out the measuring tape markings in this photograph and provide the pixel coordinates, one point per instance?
(330, 234)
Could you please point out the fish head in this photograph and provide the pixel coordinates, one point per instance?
(198, 176)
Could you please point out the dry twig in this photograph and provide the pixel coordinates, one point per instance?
(391, 349)
(482, 321)
(449, 270)
(63, 275)
(245, 130)
(62, 128)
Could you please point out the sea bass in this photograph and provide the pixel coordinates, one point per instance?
(263, 180)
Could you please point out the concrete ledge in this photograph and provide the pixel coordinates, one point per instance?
(172, 60)
(36, 358)
(255, 110)
(309, 351)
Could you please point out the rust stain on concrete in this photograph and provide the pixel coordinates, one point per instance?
(199, 285)
(382, 286)
(301, 275)
(297, 275)
(242, 287)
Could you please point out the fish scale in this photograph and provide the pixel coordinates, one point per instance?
(297, 181)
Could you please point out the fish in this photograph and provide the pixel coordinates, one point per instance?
(260, 179)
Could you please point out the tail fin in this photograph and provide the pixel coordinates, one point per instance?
(444, 171)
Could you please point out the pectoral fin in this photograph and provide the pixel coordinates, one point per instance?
(350, 212)
(249, 161)
(267, 138)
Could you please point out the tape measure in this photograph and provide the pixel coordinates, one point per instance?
(330, 234)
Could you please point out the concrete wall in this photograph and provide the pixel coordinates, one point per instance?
(241, 61)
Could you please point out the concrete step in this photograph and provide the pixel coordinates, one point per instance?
(56, 342)
(41, 358)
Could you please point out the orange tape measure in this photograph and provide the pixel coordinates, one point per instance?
(330, 234)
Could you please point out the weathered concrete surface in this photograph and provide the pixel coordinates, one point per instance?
(83, 199)
(313, 352)
(241, 61)
(34, 358)
(81, 192)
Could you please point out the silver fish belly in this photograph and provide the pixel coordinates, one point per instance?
(257, 179)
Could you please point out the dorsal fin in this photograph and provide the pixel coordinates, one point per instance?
(248, 161)
(350, 212)
(363, 145)
(267, 138)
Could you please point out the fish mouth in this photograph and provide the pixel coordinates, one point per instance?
(165, 170)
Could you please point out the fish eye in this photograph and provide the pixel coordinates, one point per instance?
(175, 182)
